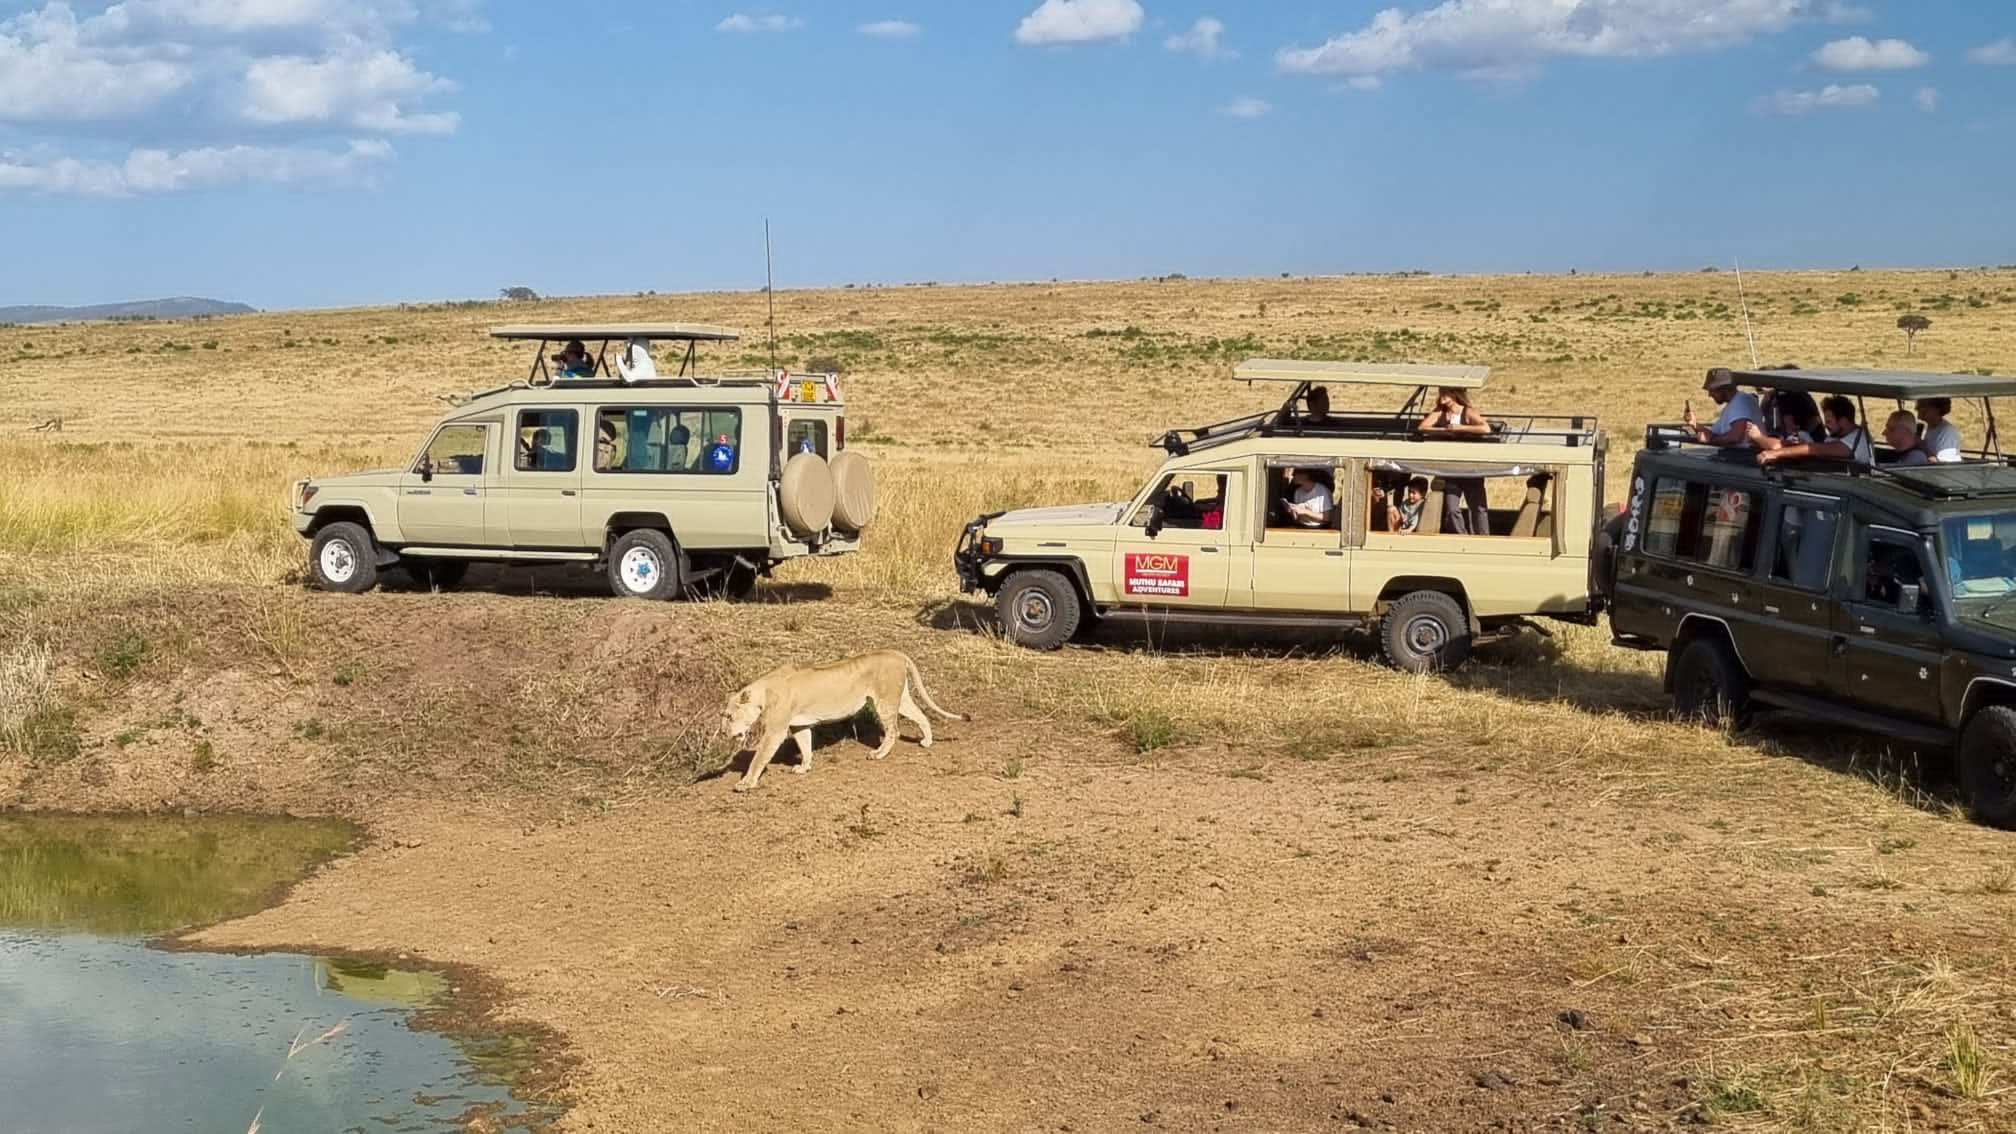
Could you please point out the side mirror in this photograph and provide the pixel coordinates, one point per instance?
(1911, 599)
(426, 470)
(1154, 527)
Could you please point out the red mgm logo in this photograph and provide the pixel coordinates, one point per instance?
(1157, 574)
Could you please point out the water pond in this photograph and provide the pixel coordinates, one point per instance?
(99, 1031)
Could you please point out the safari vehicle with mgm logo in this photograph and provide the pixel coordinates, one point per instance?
(671, 482)
(1436, 537)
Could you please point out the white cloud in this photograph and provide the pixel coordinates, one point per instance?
(1202, 40)
(1927, 99)
(253, 81)
(162, 171)
(1079, 21)
(891, 29)
(1857, 53)
(364, 91)
(1829, 97)
(1497, 38)
(1245, 108)
(1364, 83)
(771, 23)
(2002, 51)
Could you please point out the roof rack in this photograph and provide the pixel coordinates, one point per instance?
(1372, 425)
(1361, 373)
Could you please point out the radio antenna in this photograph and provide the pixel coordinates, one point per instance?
(770, 291)
(1744, 301)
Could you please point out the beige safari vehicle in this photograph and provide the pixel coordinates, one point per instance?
(1434, 540)
(671, 481)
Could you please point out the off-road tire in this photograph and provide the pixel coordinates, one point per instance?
(853, 491)
(644, 564)
(805, 494)
(1709, 684)
(1038, 609)
(1425, 632)
(1986, 766)
(435, 574)
(343, 558)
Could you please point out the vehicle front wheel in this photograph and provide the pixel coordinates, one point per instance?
(1425, 632)
(644, 564)
(343, 558)
(1709, 684)
(1038, 609)
(1987, 766)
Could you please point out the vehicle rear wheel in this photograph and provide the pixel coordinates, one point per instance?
(1987, 765)
(1709, 685)
(1038, 609)
(1425, 632)
(644, 564)
(343, 558)
(435, 574)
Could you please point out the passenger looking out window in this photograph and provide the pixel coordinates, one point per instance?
(1901, 434)
(1740, 416)
(1846, 441)
(573, 361)
(1309, 503)
(1942, 437)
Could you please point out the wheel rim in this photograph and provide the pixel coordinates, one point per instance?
(640, 569)
(338, 561)
(1034, 611)
(1426, 635)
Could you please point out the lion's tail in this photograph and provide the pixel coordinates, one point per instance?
(924, 695)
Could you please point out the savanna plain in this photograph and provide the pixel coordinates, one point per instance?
(1189, 881)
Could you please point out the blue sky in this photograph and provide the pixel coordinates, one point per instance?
(324, 152)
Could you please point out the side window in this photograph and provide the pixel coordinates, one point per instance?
(1190, 500)
(1710, 524)
(807, 435)
(668, 439)
(1302, 497)
(1805, 554)
(457, 450)
(1886, 565)
(545, 440)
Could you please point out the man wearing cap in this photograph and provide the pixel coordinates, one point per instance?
(574, 361)
(1739, 410)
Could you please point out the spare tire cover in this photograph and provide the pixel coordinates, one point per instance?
(853, 491)
(806, 494)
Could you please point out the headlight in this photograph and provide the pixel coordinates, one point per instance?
(308, 492)
(990, 545)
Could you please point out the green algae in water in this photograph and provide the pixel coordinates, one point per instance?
(129, 876)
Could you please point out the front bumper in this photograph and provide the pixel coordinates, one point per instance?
(967, 556)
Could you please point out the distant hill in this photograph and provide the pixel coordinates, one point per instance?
(180, 307)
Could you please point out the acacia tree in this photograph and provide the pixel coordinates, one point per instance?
(1911, 325)
(518, 294)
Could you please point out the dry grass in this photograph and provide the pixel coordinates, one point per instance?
(26, 685)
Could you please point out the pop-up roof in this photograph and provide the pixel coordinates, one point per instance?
(1361, 373)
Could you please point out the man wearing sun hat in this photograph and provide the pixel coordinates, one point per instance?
(1739, 409)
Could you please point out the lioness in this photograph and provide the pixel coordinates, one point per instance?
(789, 701)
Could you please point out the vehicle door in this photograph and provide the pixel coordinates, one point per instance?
(702, 467)
(808, 406)
(1297, 566)
(1180, 543)
(1699, 554)
(1791, 645)
(442, 497)
(1887, 637)
(538, 504)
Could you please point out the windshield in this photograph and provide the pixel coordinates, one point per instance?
(1981, 554)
